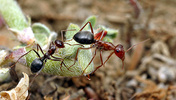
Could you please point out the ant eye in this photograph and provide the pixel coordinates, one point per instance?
(117, 51)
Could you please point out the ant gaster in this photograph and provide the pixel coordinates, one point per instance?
(87, 37)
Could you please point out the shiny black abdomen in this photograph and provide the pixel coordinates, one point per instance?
(84, 37)
(36, 65)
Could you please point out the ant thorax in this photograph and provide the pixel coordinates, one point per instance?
(104, 45)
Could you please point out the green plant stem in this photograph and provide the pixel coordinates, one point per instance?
(12, 14)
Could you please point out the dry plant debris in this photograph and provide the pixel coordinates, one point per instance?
(151, 91)
(20, 92)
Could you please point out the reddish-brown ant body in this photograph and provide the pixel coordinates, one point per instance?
(87, 37)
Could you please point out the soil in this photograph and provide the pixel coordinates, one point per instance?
(150, 67)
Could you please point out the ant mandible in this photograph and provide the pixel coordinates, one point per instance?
(87, 37)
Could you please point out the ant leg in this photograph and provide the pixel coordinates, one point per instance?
(59, 59)
(104, 62)
(56, 57)
(24, 55)
(39, 47)
(13, 74)
(85, 26)
(101, 58)
(73, 44)
(90, 61)
(88, 77)
(52, 43)
(102, 35)
(77, 55)
(62, 62)
(62, 33)
(70, 40)
(28, 96)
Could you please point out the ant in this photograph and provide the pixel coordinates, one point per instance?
(87, 37)
(38, 64)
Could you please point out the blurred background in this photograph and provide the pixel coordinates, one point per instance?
(150, 67)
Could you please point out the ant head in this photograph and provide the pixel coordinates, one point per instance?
(119, 51)
(59, 44)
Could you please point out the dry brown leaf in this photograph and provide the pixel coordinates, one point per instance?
(48, 98)
(150, 92)
(160, 47)
(3, 54)
(20, 92)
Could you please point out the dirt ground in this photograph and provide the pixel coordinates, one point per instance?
(150, 67)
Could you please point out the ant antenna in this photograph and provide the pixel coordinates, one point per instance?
(137, 44)
(62, 33)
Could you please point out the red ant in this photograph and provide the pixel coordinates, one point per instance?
(87, 37)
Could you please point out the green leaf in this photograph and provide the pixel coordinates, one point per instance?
(112, 33)
(41, 39)
(12, 14)
(40, 28)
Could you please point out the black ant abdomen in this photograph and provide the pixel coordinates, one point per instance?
(36, 65)
(84, 37)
